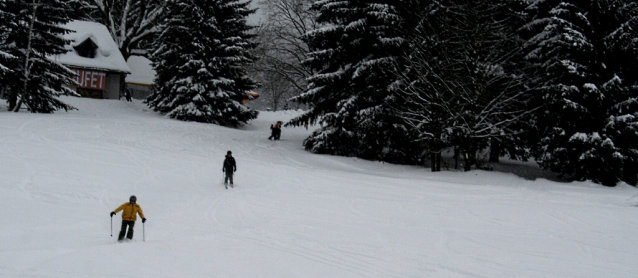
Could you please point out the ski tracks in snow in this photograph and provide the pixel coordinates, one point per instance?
(364, 265)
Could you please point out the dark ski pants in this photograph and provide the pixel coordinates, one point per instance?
(275, 134)
(229, 175)
(130, 225)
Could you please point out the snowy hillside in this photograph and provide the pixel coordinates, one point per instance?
(291, 213)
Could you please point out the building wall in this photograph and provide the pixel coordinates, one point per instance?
(139, 91)
(112, 89)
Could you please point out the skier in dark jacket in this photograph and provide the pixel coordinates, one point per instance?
(276, 131)
(229, 167)
(130, 211)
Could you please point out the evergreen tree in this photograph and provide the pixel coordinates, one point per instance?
(622, 125)
(5, 29)
(353, 64)
(584, 61)
(35, 33)
(200, 61)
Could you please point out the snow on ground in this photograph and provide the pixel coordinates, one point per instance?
(291, 213)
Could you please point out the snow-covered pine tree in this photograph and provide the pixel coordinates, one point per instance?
(352, 61)
(5, 29)
(35, 34)
(462, 79)
(584, 60)
(622, 44)
(200, 61)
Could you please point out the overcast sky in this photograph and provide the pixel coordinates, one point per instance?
(254, 18)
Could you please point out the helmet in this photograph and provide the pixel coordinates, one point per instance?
(229, 152)
(132, 198)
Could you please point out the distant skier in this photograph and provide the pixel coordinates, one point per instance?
(229, 167)
(129, 215)
(275, 131)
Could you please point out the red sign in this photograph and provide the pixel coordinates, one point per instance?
(90, 79)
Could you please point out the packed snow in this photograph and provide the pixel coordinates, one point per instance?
(291, 213)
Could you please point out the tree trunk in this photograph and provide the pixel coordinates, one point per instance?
(456, 157)
(470, 157)
(12, 99)
(495, 150)
(435, 159)
(27, 66)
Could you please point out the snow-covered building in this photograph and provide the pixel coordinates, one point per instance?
(140, 81)
(94, 56)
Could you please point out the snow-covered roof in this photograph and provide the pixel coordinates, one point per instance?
(142, 72)
(107, 57)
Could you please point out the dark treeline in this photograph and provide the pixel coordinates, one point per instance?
(404, 80)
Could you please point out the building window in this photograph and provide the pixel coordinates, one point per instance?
(86, 49)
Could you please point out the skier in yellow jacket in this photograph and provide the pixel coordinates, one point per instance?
(129, 215)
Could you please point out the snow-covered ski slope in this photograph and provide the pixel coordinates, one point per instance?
(290, 214)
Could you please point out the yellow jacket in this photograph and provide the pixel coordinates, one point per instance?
(130, 211)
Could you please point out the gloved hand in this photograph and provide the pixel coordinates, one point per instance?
(112, 213)
(143, 220)
(235, 170)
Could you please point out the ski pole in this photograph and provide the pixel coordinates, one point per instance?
(111, 226)
(143, 232)
(632, 197)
